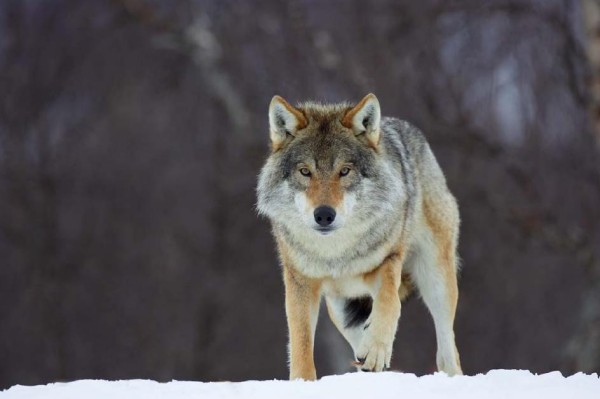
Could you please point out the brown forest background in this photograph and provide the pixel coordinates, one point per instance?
(132, 131)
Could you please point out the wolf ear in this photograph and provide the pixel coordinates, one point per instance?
(365, 117)
(283, 120)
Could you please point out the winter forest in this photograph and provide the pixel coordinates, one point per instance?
(132, 133)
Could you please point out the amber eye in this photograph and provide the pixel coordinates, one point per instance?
(345, 170)
(304, 172)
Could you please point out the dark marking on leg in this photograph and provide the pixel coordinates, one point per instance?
(357, 311)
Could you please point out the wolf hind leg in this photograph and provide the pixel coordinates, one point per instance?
(435, 278)
(352, 329)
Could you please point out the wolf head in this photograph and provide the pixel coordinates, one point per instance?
(325, 173)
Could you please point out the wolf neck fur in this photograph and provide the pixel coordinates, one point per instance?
(349, 251)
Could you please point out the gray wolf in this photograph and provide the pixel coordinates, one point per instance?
(360, 212)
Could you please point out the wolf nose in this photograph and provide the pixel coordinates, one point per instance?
(324, 215)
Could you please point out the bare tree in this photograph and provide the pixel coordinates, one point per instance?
(131, 133)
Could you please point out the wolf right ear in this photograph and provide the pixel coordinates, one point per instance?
(283, 120)
(365, 118)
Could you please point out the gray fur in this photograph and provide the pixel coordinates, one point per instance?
(396, 181)
(386, 193)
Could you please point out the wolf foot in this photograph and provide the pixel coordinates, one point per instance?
(450, 368)
(377, 354)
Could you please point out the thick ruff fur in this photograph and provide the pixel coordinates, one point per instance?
(391, 223)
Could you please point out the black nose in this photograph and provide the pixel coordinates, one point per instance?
(324, 215)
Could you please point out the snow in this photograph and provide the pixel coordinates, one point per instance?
(512, 384)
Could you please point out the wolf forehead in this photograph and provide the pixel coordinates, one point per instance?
(324, 115)
(325, 142)
(323, 122)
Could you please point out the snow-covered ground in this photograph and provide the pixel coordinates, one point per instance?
(510, 384)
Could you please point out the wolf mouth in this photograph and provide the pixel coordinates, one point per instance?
(325, 230)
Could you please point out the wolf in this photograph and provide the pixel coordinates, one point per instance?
(361, 212)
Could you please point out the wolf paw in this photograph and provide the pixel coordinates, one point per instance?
(374, 354)
(450, 364)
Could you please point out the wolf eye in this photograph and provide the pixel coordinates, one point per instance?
(304, 172)
(345, 170)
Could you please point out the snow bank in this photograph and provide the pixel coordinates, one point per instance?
(510, 384)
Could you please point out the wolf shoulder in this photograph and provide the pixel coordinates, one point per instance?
(407, 145)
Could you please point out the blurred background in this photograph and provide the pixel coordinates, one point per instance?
(132, 132)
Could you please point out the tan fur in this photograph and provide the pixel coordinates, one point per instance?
(300, 118)
(302, 297)
(347, 119)
(406, 287)
(419, 249)
(324, 191)
(302, 121)
(441, 222)
(302, 302)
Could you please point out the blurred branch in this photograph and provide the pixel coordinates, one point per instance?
(591, 19)
(583, 351)
(199, 43)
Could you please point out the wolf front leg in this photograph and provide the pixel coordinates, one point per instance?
(302, 297)
(375, 350)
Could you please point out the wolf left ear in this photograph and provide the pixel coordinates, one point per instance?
(365, 118)
(283, 120)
